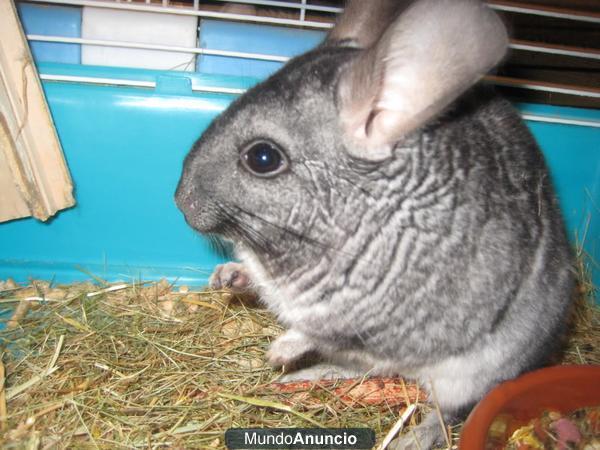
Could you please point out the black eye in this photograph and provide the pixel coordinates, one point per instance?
(263, 159)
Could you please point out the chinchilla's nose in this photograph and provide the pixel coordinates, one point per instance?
(186, 194)
(198, 209)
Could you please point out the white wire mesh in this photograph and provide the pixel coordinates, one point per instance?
(306, 14)
(198, 7)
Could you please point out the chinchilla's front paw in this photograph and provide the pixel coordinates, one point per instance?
(232, 276)
(288, 349)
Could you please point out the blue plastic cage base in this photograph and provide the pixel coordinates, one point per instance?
(66, 273)
(125, 147)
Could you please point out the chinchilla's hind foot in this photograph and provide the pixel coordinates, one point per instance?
(290, 350)
(427, 435)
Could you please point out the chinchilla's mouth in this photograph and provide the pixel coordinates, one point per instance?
(215, 231)
(207, 224)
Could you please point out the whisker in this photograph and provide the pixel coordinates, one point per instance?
(293, 233)
(248, 234)
(236, 228)
(219, 246)
(301, 237)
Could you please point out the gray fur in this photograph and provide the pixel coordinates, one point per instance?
(446, 262)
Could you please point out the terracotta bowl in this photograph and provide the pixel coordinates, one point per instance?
(562, 388)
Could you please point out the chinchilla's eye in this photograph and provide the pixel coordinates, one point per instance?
(263, 159)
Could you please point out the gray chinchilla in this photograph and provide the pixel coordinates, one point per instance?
(397, 217)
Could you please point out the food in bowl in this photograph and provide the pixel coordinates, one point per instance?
(552, 430)
(514, 408)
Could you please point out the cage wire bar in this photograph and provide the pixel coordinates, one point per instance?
(137, 45)
(563, 50)
(303, 6)
(187, 11)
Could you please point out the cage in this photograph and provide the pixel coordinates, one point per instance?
(125, 121)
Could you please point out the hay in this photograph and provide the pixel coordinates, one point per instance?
(148, 366)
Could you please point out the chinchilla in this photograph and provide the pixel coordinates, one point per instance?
(396, 216)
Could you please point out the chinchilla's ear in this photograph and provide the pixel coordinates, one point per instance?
(426, 58)
(363, 22)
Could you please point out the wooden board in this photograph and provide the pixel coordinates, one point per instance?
(34, 179)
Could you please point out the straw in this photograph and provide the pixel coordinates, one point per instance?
(140, 365)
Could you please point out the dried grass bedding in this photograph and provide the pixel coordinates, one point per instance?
(147, 365)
